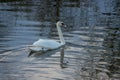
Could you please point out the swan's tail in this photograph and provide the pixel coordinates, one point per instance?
(31, 52)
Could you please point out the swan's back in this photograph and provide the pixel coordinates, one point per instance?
(45, 44)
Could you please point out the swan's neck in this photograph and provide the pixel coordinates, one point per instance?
(60, 35)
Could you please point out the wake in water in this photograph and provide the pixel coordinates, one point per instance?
(26, 48)
(5, 53)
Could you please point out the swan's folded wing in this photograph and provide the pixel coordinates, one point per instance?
(38, 48)
(43, 44)
(50, 44)
(35, 46)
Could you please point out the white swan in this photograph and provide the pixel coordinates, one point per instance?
(46, 44)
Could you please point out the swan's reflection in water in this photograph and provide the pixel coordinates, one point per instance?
(37, 66)
(48, 53)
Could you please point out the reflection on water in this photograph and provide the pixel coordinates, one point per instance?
(112, 45)
(19, 22)
(92, 36)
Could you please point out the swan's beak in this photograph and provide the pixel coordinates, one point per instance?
(65, 25)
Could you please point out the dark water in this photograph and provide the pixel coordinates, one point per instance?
(92, 36)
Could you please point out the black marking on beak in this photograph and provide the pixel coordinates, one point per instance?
(62, 23)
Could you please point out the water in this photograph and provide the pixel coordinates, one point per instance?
(92, 47)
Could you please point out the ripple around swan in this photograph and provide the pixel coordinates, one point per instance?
(88, 48)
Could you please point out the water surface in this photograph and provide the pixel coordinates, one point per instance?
(92, 47)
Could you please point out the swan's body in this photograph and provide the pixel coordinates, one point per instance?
(46, 44)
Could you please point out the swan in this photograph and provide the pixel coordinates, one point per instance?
(48, 44)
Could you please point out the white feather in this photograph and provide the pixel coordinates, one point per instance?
(46, 44)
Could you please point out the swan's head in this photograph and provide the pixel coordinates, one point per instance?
(60, 23)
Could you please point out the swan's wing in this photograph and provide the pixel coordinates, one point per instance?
(47, 43)
(35, 48)
(44, 44)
